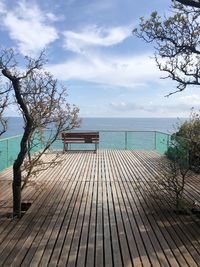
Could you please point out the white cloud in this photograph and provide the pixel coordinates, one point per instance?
(192, 100)
(28, 25)
(94, 36)
(12, 111)
(2, 7)
(127, 72)
(52, 17)
(164, 107)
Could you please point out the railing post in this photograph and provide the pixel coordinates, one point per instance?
(155, 133)
(125, 140)
(168, 141)
(7, 152)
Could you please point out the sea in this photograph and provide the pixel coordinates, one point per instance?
(165, 125)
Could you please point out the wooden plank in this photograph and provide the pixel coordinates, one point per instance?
(75, 245)
(174, 234)
(99, 244)
(144, 230)
(95, 212)
(115, 240)
(22, 220)
(18, 231)
(125, 211)
(190, 232)
(90, 257)
(140, 186)
(82, 253)
(125, 249)
(63, 226)
(108, 251)
(71, 230)
(43, 219)
(42, 245)
(150, 223)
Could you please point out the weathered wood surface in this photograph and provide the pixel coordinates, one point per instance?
(95, 210)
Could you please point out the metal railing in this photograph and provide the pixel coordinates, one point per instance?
(122, 139)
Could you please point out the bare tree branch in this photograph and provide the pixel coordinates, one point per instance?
(177, 44)
(43, 105)
(191, 3)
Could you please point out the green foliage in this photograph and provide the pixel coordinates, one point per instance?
(184, 147)
(190, 130)
(176, 171)
(178, 151)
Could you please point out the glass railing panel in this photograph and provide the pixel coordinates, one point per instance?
(3, 154)
(57, 145)
(112, 140)
(13, 149)
(162, 141)
(9, 149)
(146, 140)
(140, 140)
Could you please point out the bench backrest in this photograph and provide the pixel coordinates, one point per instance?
(87, 137)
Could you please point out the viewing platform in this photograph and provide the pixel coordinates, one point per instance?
(95, 209)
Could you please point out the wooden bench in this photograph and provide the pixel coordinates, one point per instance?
(80, 138)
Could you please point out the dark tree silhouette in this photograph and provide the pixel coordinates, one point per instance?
(191, 3)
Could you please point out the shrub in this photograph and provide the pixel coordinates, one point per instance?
(190, 130)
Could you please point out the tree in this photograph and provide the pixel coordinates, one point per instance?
(191, 3)
(4, 101)
(177, 42)
(3, 105)
(43, 105)
(174, 173)
(182, 157)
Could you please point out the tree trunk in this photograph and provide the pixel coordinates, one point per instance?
(17, 175)
(16, 187)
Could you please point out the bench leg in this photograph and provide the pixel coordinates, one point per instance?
(95, 148)
(65, 148)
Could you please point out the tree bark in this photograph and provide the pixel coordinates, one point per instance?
(17, 174)
(16, 187)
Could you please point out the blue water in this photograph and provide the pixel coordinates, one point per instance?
(166, 125)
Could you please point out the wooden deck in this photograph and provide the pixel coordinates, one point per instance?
(95, 210)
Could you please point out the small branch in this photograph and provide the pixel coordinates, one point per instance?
(190, 3)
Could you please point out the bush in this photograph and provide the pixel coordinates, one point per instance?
(190, 130)
(178, 151)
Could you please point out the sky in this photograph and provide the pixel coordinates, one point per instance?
(91, 49)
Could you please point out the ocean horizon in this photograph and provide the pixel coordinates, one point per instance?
(166, 125)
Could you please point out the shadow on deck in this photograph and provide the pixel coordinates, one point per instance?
(94, 210)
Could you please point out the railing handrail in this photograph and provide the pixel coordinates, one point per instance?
(163, 133)
(121, 130)
(111, 131)
(10, 137)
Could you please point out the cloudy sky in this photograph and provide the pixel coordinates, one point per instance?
(90, 47)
